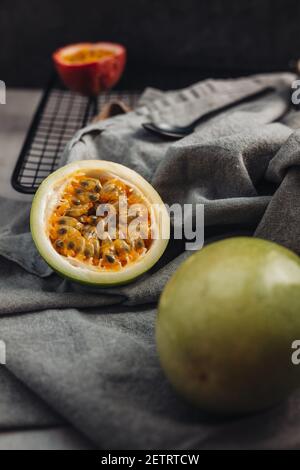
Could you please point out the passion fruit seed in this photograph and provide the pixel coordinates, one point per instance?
(93, 209)
(96, 246)
(79, 245)
(91, 184)
(76, 202)
(70, 231)
(110, 258)
(88, 219)
(70, 221)
(78, 211)
(87, 196)
(88, 253)
(112, 190)
(121, 247)
(139, 244)
(90, 231)
(76, 228)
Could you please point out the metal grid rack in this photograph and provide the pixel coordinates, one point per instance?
(59, 115)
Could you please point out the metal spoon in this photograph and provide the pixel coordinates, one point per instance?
(178, 132)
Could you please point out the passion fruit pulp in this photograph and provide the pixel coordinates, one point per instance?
(74, 211)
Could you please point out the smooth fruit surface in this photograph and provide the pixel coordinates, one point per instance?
(89, 68)
(74, 238)
(226, 323)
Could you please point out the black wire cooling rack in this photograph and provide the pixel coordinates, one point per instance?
(59, 115)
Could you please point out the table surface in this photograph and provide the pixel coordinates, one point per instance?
(15, 118)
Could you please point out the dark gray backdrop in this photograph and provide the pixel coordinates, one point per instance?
(189, 37)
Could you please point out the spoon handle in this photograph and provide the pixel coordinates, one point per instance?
(257, 94)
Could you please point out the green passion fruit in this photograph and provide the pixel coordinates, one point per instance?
(226, 323)
(99, 223)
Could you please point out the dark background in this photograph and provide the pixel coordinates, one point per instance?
(169, 42)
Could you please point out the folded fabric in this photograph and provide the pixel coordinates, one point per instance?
(89, 354)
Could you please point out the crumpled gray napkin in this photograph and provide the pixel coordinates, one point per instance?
(90, 354)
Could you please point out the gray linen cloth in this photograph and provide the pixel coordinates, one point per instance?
(88, 357)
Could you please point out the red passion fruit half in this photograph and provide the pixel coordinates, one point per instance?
(89, 68)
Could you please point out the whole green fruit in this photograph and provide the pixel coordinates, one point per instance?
(226, 323)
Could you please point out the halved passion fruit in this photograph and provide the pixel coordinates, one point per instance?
(89, 68)
(99, 223)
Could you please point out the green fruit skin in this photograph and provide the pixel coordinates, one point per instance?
(226, 323)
